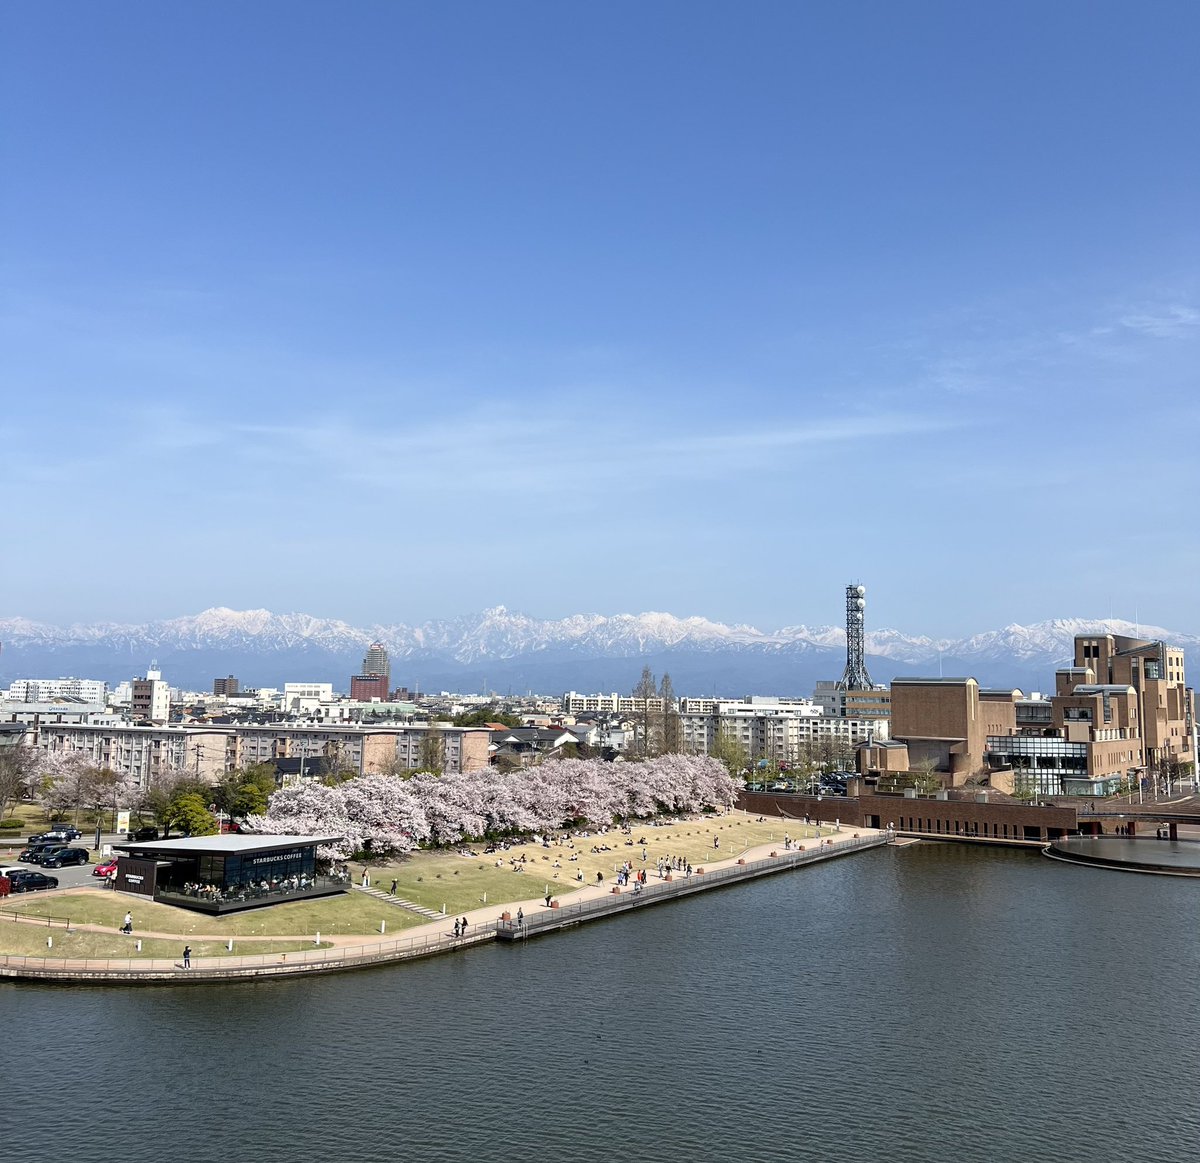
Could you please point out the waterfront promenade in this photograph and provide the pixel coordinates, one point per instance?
(486, 924)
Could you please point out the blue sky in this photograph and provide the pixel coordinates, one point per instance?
(390, 311)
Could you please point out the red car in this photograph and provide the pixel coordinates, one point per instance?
(105, 867)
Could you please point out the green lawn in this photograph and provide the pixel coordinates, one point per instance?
(431, 879)
(31, 941)
(352, 913)
(460, 883)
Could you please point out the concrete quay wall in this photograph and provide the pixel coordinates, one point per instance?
(166, 971)
(260, 967)
(629, 898)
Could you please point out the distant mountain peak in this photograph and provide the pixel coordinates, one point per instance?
(500, 641)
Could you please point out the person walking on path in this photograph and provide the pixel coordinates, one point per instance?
(127, 924)
(393, 892)
(457, 928)
(464, 926)
(520, 918)
(187, 957)
(366, 879)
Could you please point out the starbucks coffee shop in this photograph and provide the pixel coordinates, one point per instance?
(222, 874)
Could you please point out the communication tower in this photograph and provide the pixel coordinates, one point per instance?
(855, 676)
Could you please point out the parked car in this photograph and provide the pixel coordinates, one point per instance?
(34, 853)
(62, 830)
(41, 855)
(105, 867)
(61, 857)
(29, 881)
(143, 834)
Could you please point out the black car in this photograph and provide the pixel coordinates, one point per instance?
(31, 881)
(143, 834)
(61, 857)
(35, 852)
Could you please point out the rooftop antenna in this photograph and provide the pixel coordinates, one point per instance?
(855, 676)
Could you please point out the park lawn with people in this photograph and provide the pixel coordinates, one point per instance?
(434, 878)
(349, 913)
(30, 940)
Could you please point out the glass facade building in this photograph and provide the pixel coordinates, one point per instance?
(218, 874)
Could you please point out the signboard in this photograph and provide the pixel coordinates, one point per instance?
(273, 857)
(135, 875)
(123, 821)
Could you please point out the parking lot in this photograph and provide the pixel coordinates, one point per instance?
(72, 876)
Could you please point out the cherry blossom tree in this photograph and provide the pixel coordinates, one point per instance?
(385, 815)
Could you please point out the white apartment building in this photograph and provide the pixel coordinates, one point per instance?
(305, 698)
(782, 730)
(573, 703)
(53, 690)
(150, 699)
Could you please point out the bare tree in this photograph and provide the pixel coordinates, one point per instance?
(340, 764)
(925, 777)
(18, 765)
(672, 728)
(646, 734)
(433, 751)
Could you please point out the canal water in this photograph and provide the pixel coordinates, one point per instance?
(927, 1003)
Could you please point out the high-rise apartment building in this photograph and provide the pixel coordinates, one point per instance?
(150, 701)
(224, 687)
(375, 680)
(376, 660)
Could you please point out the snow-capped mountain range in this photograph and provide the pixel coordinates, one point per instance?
(502, 650)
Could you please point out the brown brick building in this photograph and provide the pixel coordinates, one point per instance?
(1122, 709)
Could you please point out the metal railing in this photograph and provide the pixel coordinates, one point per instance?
(294, 961)
(681, 885)
(400, 948)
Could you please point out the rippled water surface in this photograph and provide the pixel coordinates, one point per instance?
(929, 1003)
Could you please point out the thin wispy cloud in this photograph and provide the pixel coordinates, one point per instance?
(1170, 322)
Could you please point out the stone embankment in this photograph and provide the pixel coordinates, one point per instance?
(593, 903)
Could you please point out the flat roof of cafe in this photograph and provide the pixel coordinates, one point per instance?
(229, 844)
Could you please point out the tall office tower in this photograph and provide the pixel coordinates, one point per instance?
(855, 676)
(376, 662)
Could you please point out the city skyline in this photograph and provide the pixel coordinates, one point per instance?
(393, 314)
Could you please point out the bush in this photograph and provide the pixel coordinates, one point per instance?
(12, 824)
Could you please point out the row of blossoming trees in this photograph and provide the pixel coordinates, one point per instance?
(384, 814)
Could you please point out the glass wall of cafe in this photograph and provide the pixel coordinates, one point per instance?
(217, 882)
